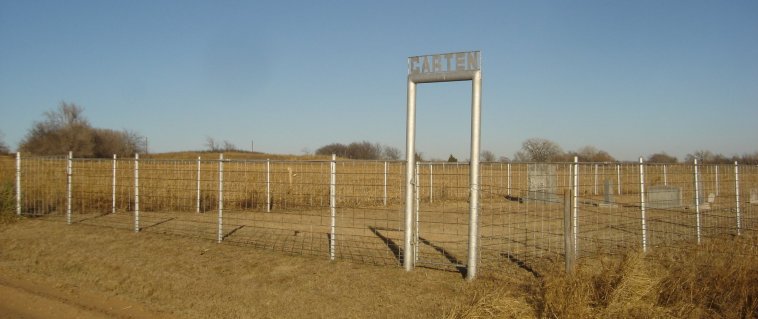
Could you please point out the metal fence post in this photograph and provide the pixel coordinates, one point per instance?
(113, 191)
(665, 176)
(697, 203)
(642, 205)
(417, 192)
(575, 205)
(18, 183)
(509, 178)
(568, 238)
(220, 197)
(69, 173)
(595, 182)
(385, 183)
(197, 201)
(618, 178)
(136, 192)
(268, 185)
(431, 183)
(332, 205)
(737, 196)
(717, 180)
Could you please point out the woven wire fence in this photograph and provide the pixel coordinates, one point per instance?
(532, 214)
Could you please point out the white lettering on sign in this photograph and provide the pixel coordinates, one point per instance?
(446, 62)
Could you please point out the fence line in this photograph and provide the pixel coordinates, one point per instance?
(354, 209)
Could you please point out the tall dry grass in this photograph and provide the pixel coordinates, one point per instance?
(714, 280)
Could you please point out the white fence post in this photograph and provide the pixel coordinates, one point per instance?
(697, 203)
(69, 173)
(113, 191)
(665, 176)
(18, 183)
(642, 205)
(618, 177)
(268, 185)
(136, 192)
(595, 183)
(717, 180)
(416, 189)
(431, 183)
(385, 183)
(575, 208)
(197, 202)
(332, 206)
(737, 196)
(220, 197)
(509, 178)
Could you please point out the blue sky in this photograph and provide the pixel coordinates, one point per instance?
(629, 77)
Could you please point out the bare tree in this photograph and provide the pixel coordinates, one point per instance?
(661, 158)
(229, 146)
(452, 159)
(487, 156)
(63, 130)
(391, 153)
(504, 159)
(538, 150)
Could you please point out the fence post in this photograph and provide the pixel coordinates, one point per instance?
(136, 192)
(332, 205)
(717, 180)
(416, 188)
(697, 203)
(69, 173)
(197, 202)
(618, 177)
(595, 189)
(18, 183)
(268, 185)
(568, 238)
(665, 176)
(737, 196)
(220, 197)
(642, 205)
(575, 205)
(431, 183)
(113, 197)
(509, 178)
(385, 183)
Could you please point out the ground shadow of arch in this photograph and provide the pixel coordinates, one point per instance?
(397, 251)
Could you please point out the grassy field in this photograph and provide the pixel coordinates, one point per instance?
(182, 277)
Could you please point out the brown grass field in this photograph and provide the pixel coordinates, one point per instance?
(174, 276)
(261, 273)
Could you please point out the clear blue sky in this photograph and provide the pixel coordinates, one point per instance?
(629, 77)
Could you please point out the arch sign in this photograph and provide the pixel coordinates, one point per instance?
(445, 67)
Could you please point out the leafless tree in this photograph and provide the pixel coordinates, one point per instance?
(487, 156)
(391, 153)
(590, 154)
(63, 130)
(538, 150)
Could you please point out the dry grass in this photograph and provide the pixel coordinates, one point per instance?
(686, 282)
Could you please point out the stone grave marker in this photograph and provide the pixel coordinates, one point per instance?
(711, 198)
(542, 181)
(754, 196)
(664, 197)
(607, 191)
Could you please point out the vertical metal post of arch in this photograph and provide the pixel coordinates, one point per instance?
(446, 67)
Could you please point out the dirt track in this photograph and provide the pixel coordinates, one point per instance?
(25, 299)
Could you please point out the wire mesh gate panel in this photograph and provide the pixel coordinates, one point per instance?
(354, 209)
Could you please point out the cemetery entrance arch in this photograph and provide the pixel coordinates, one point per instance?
(446, 67)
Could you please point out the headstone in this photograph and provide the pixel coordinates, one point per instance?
(664, 197)
(542, 183)
(711, 198)
(608, 191)
(754, 196)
